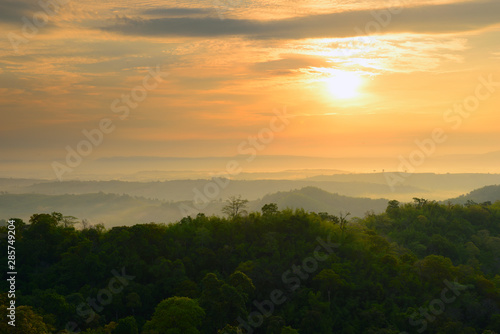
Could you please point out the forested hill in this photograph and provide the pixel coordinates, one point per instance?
(109, 209)
(115, 210)
(417, 267)
(318, 200)
(484, 194)
(183, 190)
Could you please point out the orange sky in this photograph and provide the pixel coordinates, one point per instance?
(355, 86)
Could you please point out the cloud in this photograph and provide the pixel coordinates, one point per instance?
(11, 11)
(176, 11)
(424, 19)
(185, 26)
(288, 65)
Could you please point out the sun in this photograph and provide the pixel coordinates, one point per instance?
(344, 85)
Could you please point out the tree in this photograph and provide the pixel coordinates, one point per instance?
(26, 320)
(68, 221)
(242, 283)
(343, 223)
(328, 217)
(19, 224)
(44, 238)
(57, 216)
(393, 204)
(51, 303)
(435, 269)
(469, 203)
(289, 330)
(269, 209)
(230, 330)
(126, 325)
(393, 209)
(176, 315)
(85, 224)
(235, 207)
(419, 202)
(44, 222)
(133, 300)
(222, 302)
(328, 281)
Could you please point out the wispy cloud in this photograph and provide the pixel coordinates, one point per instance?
(11, 11)
(424, 19)
(227, 74)
(176, 11)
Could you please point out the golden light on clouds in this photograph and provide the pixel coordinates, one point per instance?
(227, 74)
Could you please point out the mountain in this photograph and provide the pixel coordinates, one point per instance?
(144, 168)
(317, 200)
(371, 185)
(114, 209)
(484, 194)
(110, 209)
(429, 181)
(185, 190)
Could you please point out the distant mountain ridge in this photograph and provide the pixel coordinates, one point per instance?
(371, 185)
(178, 190)
(481, 195)
(126, 206)
(110, 209)
(114, 209)
(318, 200)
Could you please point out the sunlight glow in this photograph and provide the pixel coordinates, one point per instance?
(344, 85)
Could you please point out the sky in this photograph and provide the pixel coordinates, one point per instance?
(330, 79)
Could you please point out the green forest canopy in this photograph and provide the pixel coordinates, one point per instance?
(421, 266)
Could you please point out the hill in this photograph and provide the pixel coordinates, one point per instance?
(484, 194)
(430, 182)
(134, 202)
(184, 190)
(115, 209)
(371, 185)
(317, 200)
(110, 209)
(417, 267)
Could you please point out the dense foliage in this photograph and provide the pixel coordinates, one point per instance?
(417, 267)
